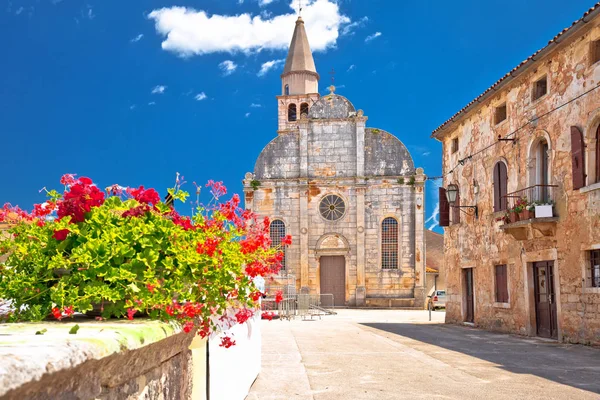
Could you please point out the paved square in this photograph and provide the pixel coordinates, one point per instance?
(389, 354)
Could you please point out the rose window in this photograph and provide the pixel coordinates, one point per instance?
(332, 207)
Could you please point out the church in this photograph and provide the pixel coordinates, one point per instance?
(349, 195)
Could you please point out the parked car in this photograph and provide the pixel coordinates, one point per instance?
(437, 299)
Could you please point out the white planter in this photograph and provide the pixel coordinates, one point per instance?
(543, 211)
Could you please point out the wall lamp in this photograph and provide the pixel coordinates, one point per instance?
(451, 193)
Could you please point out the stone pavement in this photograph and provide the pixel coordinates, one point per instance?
(389, 354)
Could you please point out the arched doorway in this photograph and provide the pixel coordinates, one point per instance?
(332, 249)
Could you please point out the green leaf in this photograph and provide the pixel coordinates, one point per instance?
(133, 287)
(74, 329)
(41, 332)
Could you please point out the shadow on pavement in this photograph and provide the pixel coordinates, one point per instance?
(572, 365)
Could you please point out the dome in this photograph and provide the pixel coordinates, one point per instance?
(331, 106)
(279, 159)
(386, 155)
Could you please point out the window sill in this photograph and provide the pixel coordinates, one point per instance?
(501, 305)
(501, 123)
(590, 188)
(534, 102)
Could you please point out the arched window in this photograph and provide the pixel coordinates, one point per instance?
(292, 112)
(389, 243)
(500, 186)
(277, 233)
(303, 109)
(287, 90)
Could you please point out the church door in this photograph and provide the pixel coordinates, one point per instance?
(333, 279)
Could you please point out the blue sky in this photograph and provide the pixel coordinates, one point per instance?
(132, 92)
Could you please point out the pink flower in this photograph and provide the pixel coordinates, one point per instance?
(279, 296)
(227, 342)
(130, 313)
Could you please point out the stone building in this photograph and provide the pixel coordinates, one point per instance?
(349, 195)
(526, 153)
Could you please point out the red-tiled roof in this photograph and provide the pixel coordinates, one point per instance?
(529, 60)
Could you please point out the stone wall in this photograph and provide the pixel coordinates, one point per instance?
(111, 360)
(483, 243)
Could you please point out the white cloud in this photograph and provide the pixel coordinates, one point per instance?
(137, 38)
(247, 115)
(254, 105)
(201, 96)
(263, 3)
(426, 153)
(373, 36)
(434, 218)
(152, 103)
(190, 32)
(132, 107)
(160, 89)
(349, 29)
(90, 13)
(228, 67)
(350, 68)
(269, 65)
(19, 10)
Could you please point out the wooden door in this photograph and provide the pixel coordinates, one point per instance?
(545, 299)
(469, 295)
(333, 280)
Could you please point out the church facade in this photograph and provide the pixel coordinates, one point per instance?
(349, 195)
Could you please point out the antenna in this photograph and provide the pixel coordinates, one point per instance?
(332, 73)
(299, 8)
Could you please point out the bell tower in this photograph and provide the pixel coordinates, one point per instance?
(299, 81)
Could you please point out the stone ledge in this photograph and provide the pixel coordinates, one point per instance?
(28, 358)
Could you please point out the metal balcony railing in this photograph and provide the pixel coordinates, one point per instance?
(536, 194)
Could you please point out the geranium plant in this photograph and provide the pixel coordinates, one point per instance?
(125, 252)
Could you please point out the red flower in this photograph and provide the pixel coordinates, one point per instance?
(67, 179)
(187, 328)
(287, 240)
(267, 315)
(81, 197)
(61, 235)
(69, 311)
(40, 223)
(279, 296)
(209, 247)
(146, 196)
(130, 313)
(255, 295)
(56, 313)
(150, 288)
(227, 342)
(243, 315)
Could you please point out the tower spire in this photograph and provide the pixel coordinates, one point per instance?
(300, 74)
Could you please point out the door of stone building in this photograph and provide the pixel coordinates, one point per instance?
(469, 300)
(545, 299)
(333, 279)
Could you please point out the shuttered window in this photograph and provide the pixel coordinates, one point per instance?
(456, 210)
(277, 233)
(501, 284)
(577, 158)
(444, 208)
(500, 186)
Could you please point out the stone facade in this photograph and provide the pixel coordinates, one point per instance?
(537, 149)
(328, 150)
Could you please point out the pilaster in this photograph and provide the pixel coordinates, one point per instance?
(420, 256)
(360, 245)
(304, 224)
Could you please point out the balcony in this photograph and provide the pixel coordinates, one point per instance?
(530, 212)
